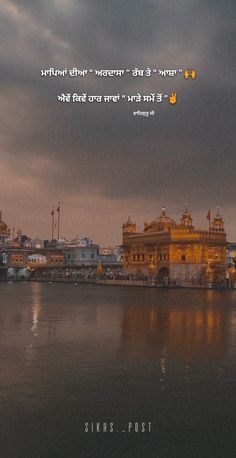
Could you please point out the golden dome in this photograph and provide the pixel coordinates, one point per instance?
(162, 223)
(3, 226)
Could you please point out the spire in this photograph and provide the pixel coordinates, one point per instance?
(129, 226)
(163, 212)
(218, 223)
(218, 212)
(186, 219)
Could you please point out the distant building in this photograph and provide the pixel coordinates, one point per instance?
(171, 252)
(4, 230)
(107, 255)
(19, 262)
(86, 256)
(231, 254)
(37, 243)
(82, 252)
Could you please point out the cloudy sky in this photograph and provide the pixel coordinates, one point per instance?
(101, 162)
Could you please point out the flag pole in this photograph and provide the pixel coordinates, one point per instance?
(58, 220)
(52, 214)
(209, 219)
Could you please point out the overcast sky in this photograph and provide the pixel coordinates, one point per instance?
(101, 162)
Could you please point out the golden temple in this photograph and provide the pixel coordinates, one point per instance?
(176, 253)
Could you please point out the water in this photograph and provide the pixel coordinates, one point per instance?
(76, 354)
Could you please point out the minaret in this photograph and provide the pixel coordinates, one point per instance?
(218, 223)
(186, 219)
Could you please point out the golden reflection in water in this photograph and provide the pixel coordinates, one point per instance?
(31, 347)
(36, 308)
(211, 295)
(185, 333)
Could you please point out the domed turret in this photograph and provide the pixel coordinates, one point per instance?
(129, 227)
(3, 226)
(218, 223)
(186, 219)
(4, 230)
(162, 223)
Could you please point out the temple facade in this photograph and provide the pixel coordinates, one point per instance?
(177, 253)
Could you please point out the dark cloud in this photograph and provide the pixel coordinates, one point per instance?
(183, 153)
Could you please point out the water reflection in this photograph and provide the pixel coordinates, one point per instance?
(31, 347)
(163, 366)
(102, 325)
(36, 308)
(181, 332)
(73, 353)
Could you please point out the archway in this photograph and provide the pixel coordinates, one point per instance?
(163, 275)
